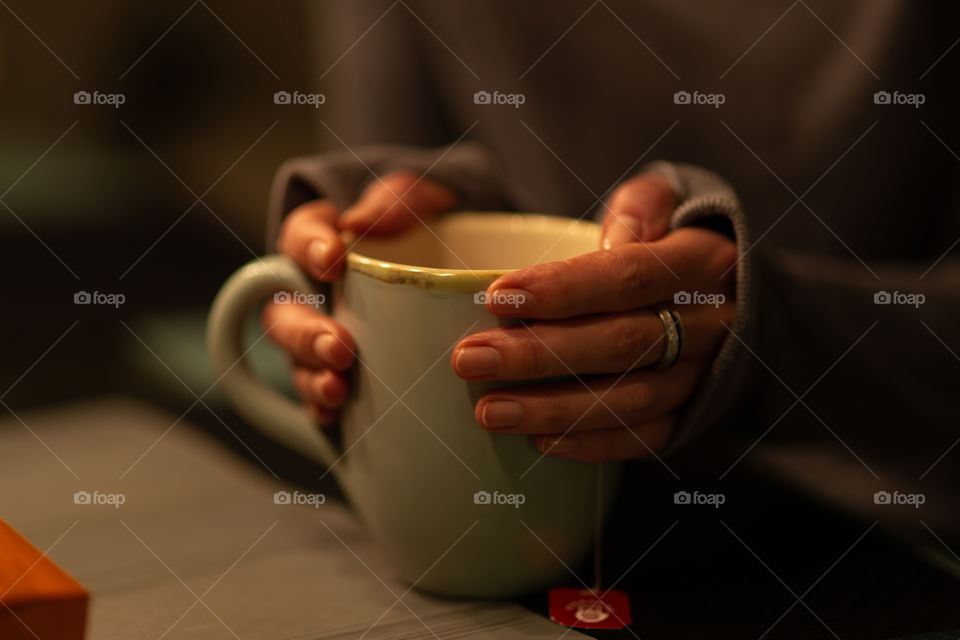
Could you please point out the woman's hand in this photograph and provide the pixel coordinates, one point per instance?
(320, 349)
(590, 334)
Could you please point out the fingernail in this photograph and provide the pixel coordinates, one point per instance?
(332, 393)
(473, 362)
(509, 300)
(621, 231)
(557, 445)
(348, 218)
(317, 253)
(323, 347)
(355, 215)
(499, 414)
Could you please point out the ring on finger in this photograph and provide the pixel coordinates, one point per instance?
(675, 335)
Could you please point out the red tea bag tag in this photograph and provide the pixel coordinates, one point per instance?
(588, 609)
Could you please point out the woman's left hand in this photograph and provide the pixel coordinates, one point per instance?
(591, 334)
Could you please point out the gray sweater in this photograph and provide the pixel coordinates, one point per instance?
(834, 192)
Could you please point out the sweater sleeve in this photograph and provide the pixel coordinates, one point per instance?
(701, 196)
(341, 176)
(876, 346)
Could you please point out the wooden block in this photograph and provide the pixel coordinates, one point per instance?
(38, 599)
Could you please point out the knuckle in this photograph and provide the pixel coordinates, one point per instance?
(628, 342)
(547, 282)
(552, 416)
(532, 360)
(551, 275)
(642, 398)
(633, 276)
(302, 335)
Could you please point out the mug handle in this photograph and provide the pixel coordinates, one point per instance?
(268, 409)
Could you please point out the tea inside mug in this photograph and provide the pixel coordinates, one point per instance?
(484, 241)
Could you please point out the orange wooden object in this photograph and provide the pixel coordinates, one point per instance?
(38, 599)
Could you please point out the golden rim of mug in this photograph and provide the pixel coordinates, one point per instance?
(457, 280)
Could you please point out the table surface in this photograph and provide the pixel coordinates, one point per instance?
(198, 549)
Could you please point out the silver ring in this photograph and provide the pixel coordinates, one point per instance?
(675, 334)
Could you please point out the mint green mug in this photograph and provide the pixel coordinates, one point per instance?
(462, 512)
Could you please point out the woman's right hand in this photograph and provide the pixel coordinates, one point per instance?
(320, 349)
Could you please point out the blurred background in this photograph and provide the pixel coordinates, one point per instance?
(158, 199)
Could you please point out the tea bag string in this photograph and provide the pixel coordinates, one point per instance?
(598, 531)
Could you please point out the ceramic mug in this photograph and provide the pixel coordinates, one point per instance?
(463, 512)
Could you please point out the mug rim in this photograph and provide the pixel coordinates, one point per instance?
(439, 277)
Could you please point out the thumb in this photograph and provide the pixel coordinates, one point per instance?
(393, 203)
(639, 211)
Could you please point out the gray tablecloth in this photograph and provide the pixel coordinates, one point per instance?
(198, 548)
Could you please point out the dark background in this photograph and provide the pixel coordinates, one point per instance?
(99, 198)
(103, 199)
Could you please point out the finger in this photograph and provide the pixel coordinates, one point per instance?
(595, 403)
(396, 201)
(643, 440)
(323, 417)
(639, 211)
(625, 277)
(308, 336)
(610, 343)
(309, 236)
(322, 387)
